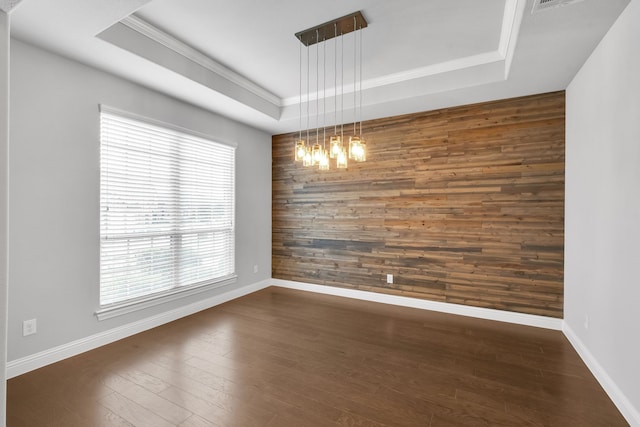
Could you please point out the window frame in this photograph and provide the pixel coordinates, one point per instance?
(119, 308)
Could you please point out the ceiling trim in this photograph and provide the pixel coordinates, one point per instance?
(148, 30)
(513, 15)
(508, 36)
(508, 24)
(404, 76)
(439, 68)
(512, 18)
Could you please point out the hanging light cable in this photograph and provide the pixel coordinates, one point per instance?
(363, 143)
(342, 86)
(355, 68)
(335, 145)
(324, 160)
(355, 147)
(300, 147)
(317, 148)
(323, 163)
(341, 161)
(307, 160)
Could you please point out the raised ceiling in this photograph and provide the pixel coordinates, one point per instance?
(240, 58)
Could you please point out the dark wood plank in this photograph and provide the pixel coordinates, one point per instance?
(280, 357)
(463, 205)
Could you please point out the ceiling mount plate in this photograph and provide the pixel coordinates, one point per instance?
(328, 30)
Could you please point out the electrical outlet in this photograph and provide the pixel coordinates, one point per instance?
(29, 327)
(255, 268)
(389, 278)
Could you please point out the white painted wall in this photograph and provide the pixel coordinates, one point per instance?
(54, 195)
(4, 147)
(602, 255)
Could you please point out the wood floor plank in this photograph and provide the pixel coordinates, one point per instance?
(153, 402)
(220, 408)
(282, 358)
(134, 413)
(196, 421)
(352, 420)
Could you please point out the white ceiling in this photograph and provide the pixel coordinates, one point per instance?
(240, 58)
(7, 5)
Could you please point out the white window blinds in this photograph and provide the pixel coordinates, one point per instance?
(166, 210)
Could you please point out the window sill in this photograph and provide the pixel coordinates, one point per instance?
(126, 307)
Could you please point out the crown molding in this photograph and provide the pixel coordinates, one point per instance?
(148, 30)
(416, 73)
(434, 69)
(512, 17)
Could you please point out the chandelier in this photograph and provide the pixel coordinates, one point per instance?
(316, 149)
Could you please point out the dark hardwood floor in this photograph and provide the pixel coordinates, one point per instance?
(289, 358)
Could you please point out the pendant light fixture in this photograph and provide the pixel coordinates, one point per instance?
(307, 160)
(357, 147)
(335, 143)
(341, 161)
(317, 153)
(300, 148)
(362, 155)
(317, 148)
(324, 159)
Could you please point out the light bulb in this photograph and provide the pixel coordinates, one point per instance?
(300, 149)
(307, 159)
(316, 153)
(359, 152)
(354, 143)
(341, 161)
(323, 163)
(335, 146)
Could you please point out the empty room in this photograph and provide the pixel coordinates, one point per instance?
(344, 213)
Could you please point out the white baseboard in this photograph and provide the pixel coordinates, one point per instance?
(624, 405)
(463, 310)
(43, 358)
(631, 414)
(38, 360)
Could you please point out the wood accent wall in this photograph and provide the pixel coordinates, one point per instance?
(463, 205)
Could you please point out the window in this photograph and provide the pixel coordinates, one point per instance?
(166, 211)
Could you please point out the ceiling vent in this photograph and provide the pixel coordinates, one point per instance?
(539, 5)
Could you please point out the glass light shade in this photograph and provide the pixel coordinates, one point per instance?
(354, 143)
(323, 164)
(307, 159)
(362, 152)
(316, 153)
(300, 150)
(335, 146)
(341, 161)
(359, 151)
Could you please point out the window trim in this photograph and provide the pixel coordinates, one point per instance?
(140, 303)
(120, 308)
